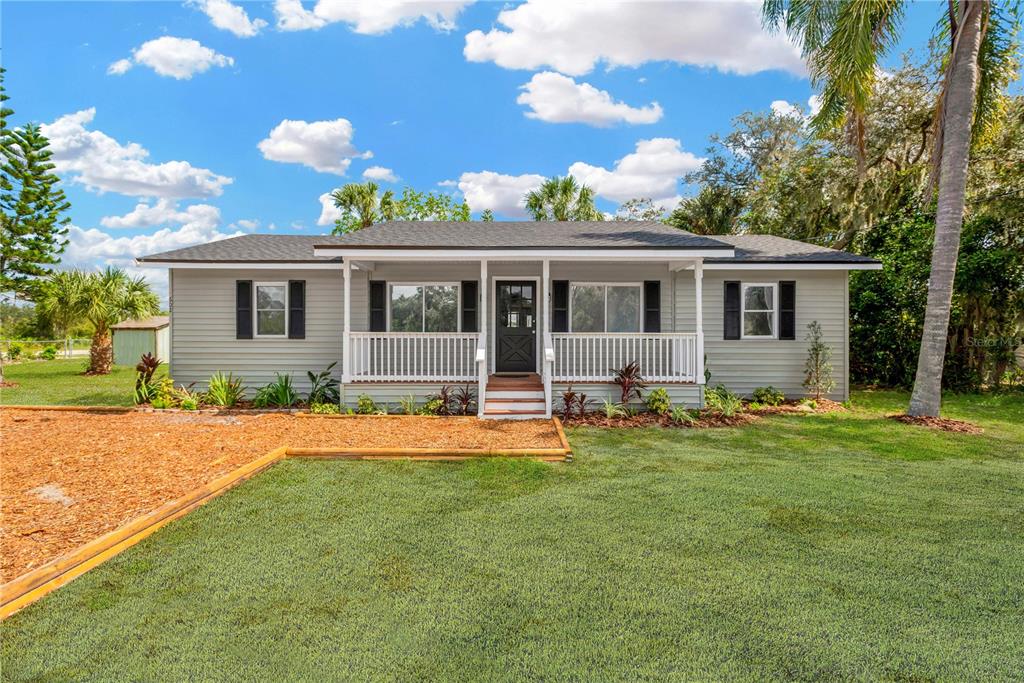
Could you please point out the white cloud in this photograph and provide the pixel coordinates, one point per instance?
(325, 146)
(164, 211)
(328, 211)
(368, 16)
(814, 104)
(119, 67)
(784, 108)
(652, 170)
(573, 37)
(102, 164)
(248, 224)
(380, 173)
(498, 192)
(230, 17)
(556, 98)
(179, 58)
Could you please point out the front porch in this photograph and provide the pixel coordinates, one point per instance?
(555, 321)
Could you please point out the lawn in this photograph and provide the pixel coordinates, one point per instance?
(842, 546)
(61, 382)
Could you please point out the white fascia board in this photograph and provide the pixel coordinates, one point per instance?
(792, 266)
(522, 254)
(239, 265)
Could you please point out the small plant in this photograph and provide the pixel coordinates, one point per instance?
(325, 408)
(682, 416)
(188, 403)
(407, 404)
(583, 404)
(464, 399)
(323, 387)
(818, 370)
(659, 402)
(569, 398)
(161, 403)
(809, 403)
(769, 396)
(433, 406)
(48, 352)
(613, 410)
(723, 401)
(443, 398)
(14, 351)
(631, 382)
(224, 390)
(145, 391)
(277, 394)
(188, 399)
(365, 405)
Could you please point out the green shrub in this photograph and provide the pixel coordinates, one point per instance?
(365, 405)
(277, 394)
(161, 403)
(613, 410)
(325, 408)
(682, 416)
(189, 403)
(14, 350)
(769, 396)
(723, 401)
(658, 401)
(433, 406)
(224, 390)
(323, 387)
(407, 404)
(49, 352)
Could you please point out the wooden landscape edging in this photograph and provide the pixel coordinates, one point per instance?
(33, 585)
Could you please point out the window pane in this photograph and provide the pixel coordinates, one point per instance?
(623, 309)
(442, 309)
(587, 309)
(757, 324)
(271, 297)
(406, 308)
(270, 322)
(759, 299)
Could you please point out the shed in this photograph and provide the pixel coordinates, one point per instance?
(133, 338)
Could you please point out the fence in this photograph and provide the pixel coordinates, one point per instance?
(31, 348)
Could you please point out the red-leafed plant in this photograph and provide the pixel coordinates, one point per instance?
(631, 382)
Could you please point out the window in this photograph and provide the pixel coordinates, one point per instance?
(604, 308)
(759, 311)
(424, 308)
(271, 309)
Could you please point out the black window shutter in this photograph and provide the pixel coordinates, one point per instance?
(469, 306)
(732, 310)
(787, 310)
(243, 309)
(559, 305)
(296, 309)
(652, 306)
(378, 306)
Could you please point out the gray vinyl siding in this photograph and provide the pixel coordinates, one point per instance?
(743, 365)
(688, 395)
(203, 327)
(390, 393)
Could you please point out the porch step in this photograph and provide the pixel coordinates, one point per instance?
(513, 404)
(513, 414)
(515, 394)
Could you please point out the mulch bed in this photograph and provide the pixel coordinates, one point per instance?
(941, 423)
(69, 477)
(705, 420)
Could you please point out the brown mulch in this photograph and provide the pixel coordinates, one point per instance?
(943, 424)
(705, 420)
(8, 385)
(69, 477)
(823, 405)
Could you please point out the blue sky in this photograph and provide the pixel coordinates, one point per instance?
(183, 122)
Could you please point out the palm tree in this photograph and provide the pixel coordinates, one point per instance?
(359, 203)
(843, 41)
(103, 299)
(60, 299)
(562, 199)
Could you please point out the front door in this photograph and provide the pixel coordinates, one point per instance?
(516, 326)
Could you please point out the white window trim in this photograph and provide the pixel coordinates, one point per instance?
(606, 285)
(256, 310)
(423, 304)
(774, 286)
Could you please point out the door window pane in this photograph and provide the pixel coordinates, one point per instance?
(587, 308)
(441, 309)
(270, 309)
(623, 309)
(406, 308)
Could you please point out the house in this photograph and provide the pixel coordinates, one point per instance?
(520, 310)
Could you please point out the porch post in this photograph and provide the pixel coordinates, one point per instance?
(483, 365)
(346, 349)
(698, 289)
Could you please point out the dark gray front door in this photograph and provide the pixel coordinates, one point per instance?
(516, 326)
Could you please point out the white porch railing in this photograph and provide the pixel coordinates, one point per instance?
(665, 357)
(414, 356)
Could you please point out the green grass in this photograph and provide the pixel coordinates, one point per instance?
(805, 547)
(61, 382)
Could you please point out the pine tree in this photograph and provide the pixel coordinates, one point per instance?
(818, 371)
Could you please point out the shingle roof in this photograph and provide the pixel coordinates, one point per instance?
(523, 235)
(152, 323)
(772, 249)
(249, 249)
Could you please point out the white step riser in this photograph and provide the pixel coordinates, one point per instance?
(518, 405)
(513, 417)
(524, 395)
